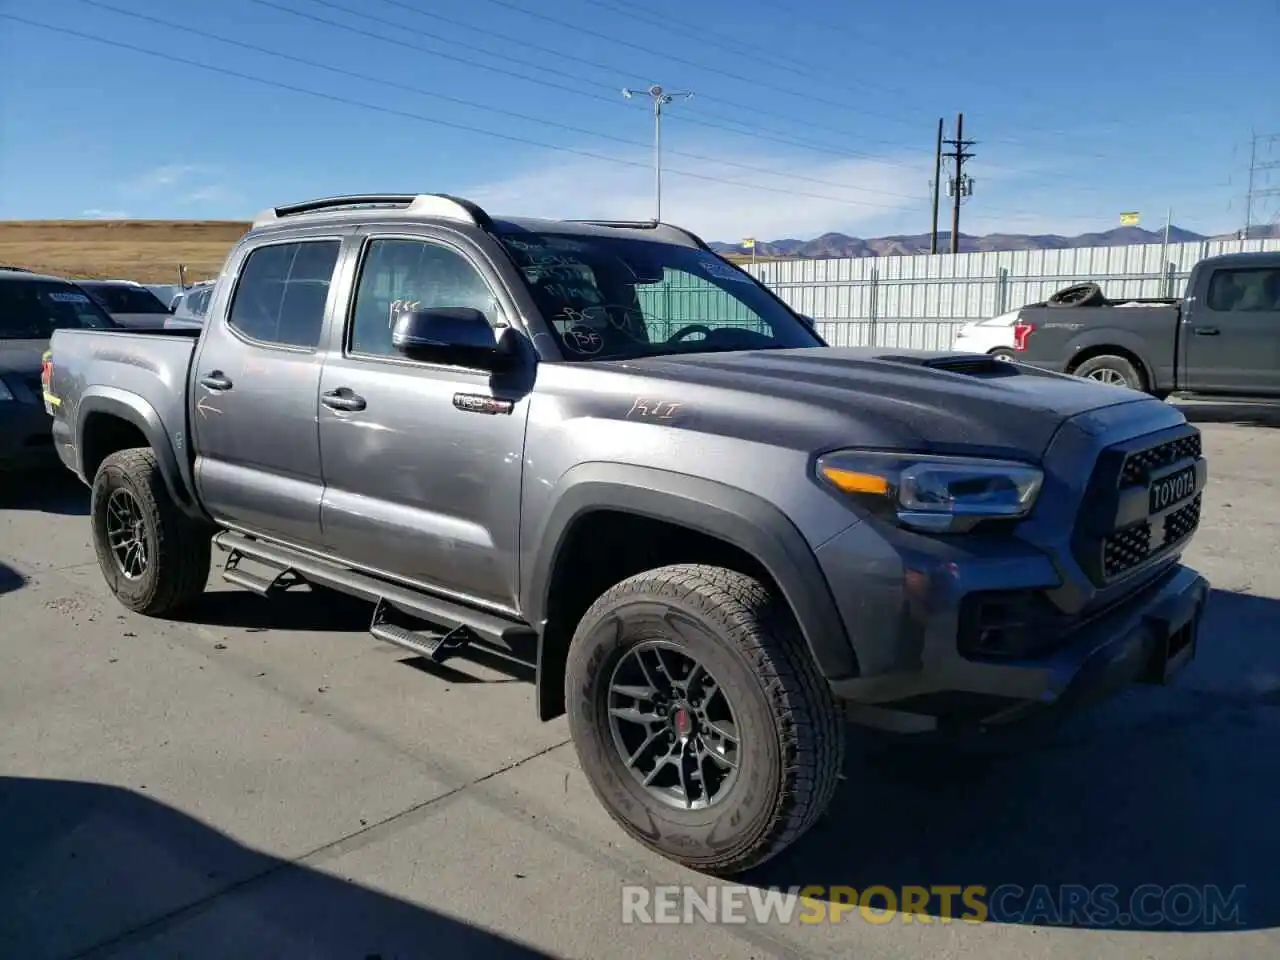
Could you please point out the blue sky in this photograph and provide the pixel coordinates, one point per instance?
(804, 119)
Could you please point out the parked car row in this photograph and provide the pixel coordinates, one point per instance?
(32, 306)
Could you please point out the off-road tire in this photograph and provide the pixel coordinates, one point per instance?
(1119, 366)
(793, 733)
(1078, 295)
(178, 547)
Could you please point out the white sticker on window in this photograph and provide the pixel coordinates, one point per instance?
(59, 297)
(723, 271)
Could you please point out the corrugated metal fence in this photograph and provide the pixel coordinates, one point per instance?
(920, 301)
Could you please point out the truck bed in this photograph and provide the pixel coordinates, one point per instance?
(145, 370)
(1147, 329)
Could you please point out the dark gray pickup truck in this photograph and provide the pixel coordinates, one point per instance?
(600, 448)
(1221, 339)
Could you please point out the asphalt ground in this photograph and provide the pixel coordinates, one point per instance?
(265, 780)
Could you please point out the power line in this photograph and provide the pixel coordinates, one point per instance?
(405, 114)
(751, 50)
(753, 129)
(806, 95)
(421, 91)
(740, 128)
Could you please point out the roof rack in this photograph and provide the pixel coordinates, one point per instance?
(648, 225)
(393, 204)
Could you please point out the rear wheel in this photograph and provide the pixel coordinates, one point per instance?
(154, 557)
(1113, 371)
(700, 719)
(1002, 353)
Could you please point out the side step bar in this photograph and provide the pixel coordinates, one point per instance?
(453, 627)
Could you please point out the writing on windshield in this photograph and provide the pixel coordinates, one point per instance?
(621, 298)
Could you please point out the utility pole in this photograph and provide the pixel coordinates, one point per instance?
(960, 185)
(1254, 192)
(937, 188)
(660, 98)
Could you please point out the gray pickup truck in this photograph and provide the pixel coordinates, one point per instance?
(601, 449)
(1222, 339)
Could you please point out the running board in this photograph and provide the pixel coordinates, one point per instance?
(453, 626)
(434, 645)
(281, 579)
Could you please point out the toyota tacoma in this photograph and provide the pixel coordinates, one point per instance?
(602, 449)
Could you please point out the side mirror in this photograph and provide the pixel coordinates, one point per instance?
(807, 320)
(445, 331)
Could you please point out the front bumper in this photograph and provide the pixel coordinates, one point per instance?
(1146, 638)
(26, 437)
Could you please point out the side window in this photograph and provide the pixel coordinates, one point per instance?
(282, 290)
(1250, 290)
(396, 273)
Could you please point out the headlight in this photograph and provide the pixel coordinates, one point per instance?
(935, 494)
(5, 393)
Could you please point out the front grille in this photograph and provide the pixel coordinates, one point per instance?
(1182, 522)
(1129, 548)
(1114, 536)
(1138, 466)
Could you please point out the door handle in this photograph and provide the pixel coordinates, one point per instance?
(1207, 331)
(342, 399)
(215, 381)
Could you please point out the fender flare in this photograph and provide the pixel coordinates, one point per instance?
(1114, 337)
(135, 410)
(742, 519)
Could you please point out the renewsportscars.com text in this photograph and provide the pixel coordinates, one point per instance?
(1105, 905)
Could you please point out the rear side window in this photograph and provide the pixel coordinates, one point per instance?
(282, 291)
(33, 309)
(118, 298)
(1251, 290)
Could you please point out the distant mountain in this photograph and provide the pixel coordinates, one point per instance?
(838, 245)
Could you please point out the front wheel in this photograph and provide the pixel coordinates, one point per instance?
(700, 718)
(154, 558)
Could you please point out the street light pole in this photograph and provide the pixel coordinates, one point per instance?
(660, 98)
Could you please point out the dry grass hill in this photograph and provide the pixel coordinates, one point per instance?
(145, 250)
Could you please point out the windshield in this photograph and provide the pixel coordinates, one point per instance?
(611, 298)
(122, 299)
(33, 309)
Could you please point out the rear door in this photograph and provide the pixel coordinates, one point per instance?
(1231, 332)
(254, 386)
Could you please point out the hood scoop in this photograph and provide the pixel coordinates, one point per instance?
(973, 365)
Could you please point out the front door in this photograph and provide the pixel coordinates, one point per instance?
(1232, 333)
(422, 481)
(254, 388)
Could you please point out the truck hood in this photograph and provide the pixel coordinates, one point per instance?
(22, 356)
(941, 402)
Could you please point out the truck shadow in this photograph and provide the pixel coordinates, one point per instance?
(56, 491)
(1242, 413)
(1167, 796)
(10, 579)
(300, 608)
(90, 869)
